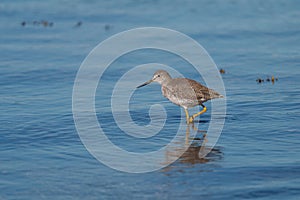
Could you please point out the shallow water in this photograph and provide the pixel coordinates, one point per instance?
(257, 155)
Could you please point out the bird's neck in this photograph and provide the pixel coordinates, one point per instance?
(166, 81)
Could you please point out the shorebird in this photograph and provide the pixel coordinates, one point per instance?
(183, 92)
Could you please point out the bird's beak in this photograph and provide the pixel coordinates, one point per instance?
(146, 83)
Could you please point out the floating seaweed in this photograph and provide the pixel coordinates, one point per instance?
(268, 79)
(43, 23)
(222, 71)
(259, 80)
(274, 79)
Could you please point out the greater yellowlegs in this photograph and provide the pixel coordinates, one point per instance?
(184, 92)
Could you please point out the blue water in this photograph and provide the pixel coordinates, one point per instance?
(257, 155)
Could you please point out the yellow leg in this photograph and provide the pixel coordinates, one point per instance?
(187, 115)
(187, 135)
(191, 119)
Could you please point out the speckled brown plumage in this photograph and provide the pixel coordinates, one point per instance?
(187, 93)
(184, 92)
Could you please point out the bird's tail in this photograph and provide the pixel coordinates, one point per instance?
(214, 95)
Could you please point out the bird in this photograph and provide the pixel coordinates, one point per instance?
(183, 92)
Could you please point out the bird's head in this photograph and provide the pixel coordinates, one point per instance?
(160, 76)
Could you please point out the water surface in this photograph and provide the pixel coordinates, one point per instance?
(257, 155)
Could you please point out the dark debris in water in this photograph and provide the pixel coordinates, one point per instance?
(259, 80)
(42, 23)
(78, 24)
(222, 71)
(268, 79)
(46, 23)
(107, 27)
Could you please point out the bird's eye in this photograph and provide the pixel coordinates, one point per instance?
(158, 75)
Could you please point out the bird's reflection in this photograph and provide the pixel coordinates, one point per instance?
(192, 150)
